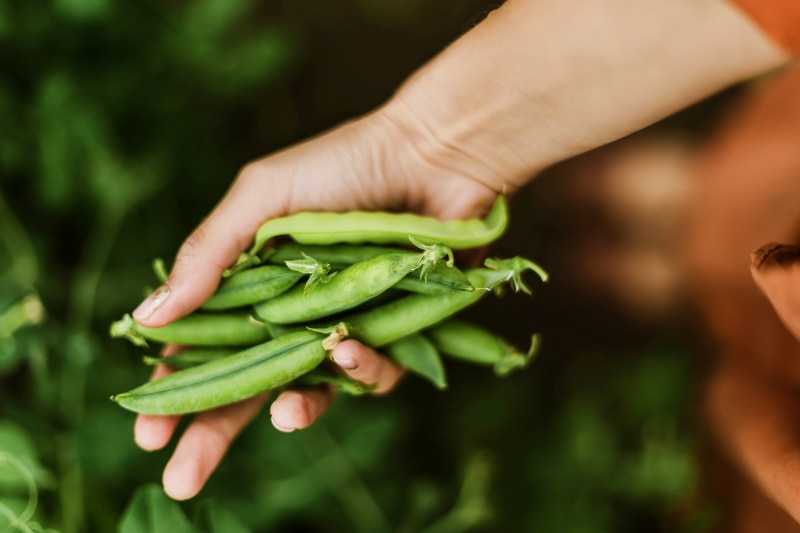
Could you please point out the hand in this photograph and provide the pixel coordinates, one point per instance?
(348, 168)
(475, 122)
(207, 438)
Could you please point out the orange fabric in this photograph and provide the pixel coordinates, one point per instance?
(778, 18)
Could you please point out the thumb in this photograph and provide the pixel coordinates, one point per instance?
(213, 247)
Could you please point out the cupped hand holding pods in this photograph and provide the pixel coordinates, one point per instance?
(263, 190)
(246, 375)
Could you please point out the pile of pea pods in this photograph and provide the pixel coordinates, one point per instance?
(388, 280)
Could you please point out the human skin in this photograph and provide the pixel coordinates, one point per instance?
(536, 82)
(747, 180)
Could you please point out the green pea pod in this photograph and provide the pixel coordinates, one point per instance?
(339, 382)
(406, 315)
(385, 228)
(279, 330)
(419, 355)
(250, 286)
(386, 323)
(441, 277)
(198, 329)
(472, 343)
(191, 357)
(228, 380)
(338, 255)
(352, 286)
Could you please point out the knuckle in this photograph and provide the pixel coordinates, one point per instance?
(191, 247)
(196, 252)
(215, 428)
(249, 173)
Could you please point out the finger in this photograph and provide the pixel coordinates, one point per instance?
(203, 444)
(297, 409)
(214, 246)
(758, 423)
(366, 365)
(151, 432)
(776, 271)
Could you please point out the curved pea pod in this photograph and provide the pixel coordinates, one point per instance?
(228, 380)
(439, 278)
(386, 323)
(191, 357)
(250, 286)
(385, 228)
(472, 343)
(352, 286)
(198, 329)
(419, 355)
(406, 315)
(339, 255)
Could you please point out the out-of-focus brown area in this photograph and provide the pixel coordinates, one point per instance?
(658, 229)
(748, 185)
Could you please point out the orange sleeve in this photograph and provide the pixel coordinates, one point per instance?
(778, 18)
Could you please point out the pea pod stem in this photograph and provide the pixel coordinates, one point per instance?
(511, 270)
(233, 378)
(318, 271)
(385, 228)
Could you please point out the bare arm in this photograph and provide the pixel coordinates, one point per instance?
(541, 80)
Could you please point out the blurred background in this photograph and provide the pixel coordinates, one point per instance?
(123, 123)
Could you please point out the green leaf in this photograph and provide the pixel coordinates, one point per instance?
(151, 511)
(214, 518)
(419, 355)
(19, 459)
(84, 10)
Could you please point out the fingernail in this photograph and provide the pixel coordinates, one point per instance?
(151, 304)
(347, 364)
(280, 427)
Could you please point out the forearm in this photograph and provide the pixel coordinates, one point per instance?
(541, 80)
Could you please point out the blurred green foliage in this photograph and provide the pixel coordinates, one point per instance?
(121, 124)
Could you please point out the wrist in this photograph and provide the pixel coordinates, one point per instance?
(543, 80)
